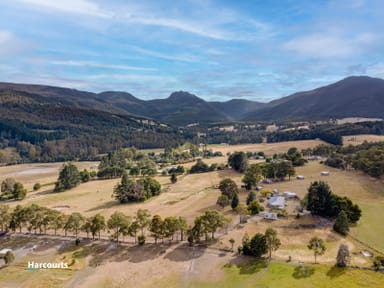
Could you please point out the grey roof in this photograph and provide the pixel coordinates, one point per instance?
(277, 201)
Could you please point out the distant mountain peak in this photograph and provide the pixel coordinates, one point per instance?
(182, 95)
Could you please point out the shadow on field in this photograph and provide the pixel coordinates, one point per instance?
(247, 265)
(184, 253)
(212, 207)
(301, 272)
(105, 205)
(335, 271)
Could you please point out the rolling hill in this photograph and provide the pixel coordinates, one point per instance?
(356, 96)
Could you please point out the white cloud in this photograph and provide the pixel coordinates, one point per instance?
(70, 6)
(175, 57)
(129, 77)
(206, 25)
(101, 65)
(376, 70)
(10, 44)
(45, 79)
(191, 27)
(324, 46)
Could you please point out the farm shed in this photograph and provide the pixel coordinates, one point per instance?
(270, 216)
(288, 194)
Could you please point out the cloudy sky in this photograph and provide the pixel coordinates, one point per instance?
(259, 50)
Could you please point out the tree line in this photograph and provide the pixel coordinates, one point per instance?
(39, 220)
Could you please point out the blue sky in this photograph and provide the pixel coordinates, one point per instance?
(218, 50)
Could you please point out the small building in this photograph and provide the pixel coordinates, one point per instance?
(277, 202)
(314, 157)
(288, 194)
(270, 216)
(324, 173)
(300, 177)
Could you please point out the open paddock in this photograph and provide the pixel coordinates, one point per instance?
(359, 139)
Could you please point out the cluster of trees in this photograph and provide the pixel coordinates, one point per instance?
(238, 161)
(115, 163)
(322, 132)
(272, 169)
(242, 133)
(206, 225)
(278, 169)
(184, 153)
(320, 200)
(70, 177)
(367, 157)
(10, 189)
(260, 244)
(230, 196)
(331, 132)
(252, 175)
(130, 190)
(202, 167)
(294, 156)
(229, 193)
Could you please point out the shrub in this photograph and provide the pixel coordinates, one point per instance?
(36, 187)
(141, 239)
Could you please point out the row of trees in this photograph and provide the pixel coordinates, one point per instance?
(39, 219)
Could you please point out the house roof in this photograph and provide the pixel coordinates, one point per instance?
(276, 201)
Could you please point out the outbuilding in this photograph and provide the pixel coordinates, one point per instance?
(288, 194)
(270, 216)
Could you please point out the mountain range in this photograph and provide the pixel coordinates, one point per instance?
(356, 96)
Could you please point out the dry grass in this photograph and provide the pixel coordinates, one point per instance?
(191, 196)
(359, 139)
(267, 148)
(29, 174)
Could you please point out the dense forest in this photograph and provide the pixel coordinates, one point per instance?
(65, 137)
(330, 133)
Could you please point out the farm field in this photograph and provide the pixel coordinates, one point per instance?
(359, 139)
(177, 265)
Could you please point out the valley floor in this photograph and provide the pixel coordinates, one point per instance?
(104, 264)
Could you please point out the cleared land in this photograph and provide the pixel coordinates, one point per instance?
(105, 265)
(359, 139)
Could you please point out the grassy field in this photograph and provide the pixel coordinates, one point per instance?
(256, 274)
(359, 139)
